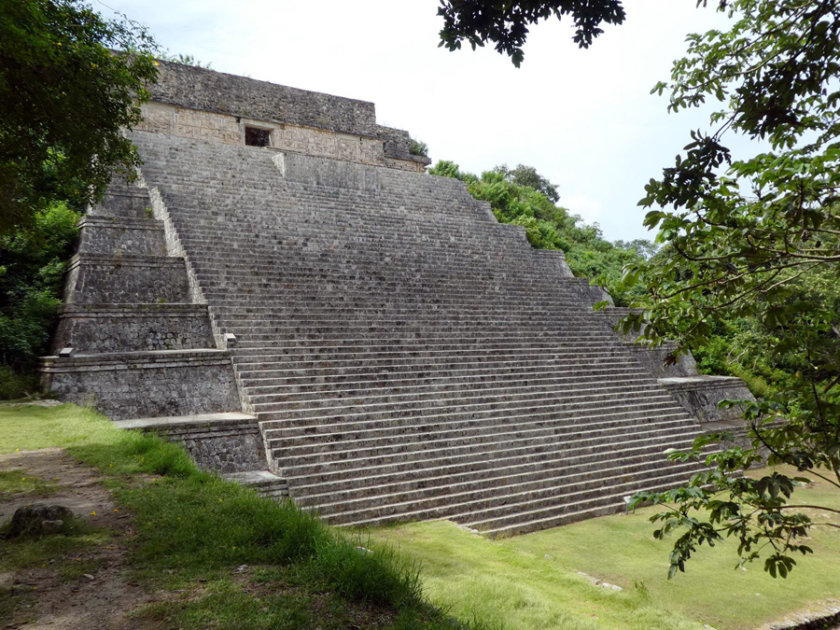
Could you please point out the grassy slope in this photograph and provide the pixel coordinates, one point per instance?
(195, 532)
(531, 581)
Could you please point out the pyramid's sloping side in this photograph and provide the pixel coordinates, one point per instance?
(408, 356)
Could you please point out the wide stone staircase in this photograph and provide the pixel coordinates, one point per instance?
(407, 356)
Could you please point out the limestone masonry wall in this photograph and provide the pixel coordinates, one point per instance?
(191, 102)
(211, 91)
(142, 385)
(105, 236)
(230, 443)
(133, 328)
(98, 278)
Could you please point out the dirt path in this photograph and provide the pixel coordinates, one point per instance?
(82, 588)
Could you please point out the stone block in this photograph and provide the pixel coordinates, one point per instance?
(124, 236)
(141, 384)
(98, 278)
(700, 395)
(89, 329)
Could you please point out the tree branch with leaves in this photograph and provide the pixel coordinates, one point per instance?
(757, 237)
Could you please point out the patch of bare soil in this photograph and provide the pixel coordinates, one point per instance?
(98, 593)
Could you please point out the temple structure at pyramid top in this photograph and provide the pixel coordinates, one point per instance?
(191, 102)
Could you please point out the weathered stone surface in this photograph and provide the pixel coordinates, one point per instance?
(142, 384)
(701, 395)
(38, 519)
(227, 448)
(654, 360)
(210, 91)
(224, 442)
(127, 203)
(405, 354)
(100, 235)
(132, 327)
(193, 102)
(112, 279)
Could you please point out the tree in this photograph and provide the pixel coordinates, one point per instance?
(70, 83)
(755, 238)
(506, 23)
(527, 176)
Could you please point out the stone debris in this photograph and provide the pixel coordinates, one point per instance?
(38, 519)
(599, 582)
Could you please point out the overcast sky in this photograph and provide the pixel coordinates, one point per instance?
(584, 118)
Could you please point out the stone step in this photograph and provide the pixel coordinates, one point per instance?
(440, 480)
(247, 345)
(502, 482)
(228, 312)
(604, 415)
(461, 401)
(478, 465)
(603, 502)
(442, 389)
(245, 283)
(338, 386)
(304, 449)
(396, 369)
(572, 348)
(479, 452)
(523, 518)
(593, 331)
(469, 323)
(498, 499)
(430, 362)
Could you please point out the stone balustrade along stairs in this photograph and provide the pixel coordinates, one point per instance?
(407, 356)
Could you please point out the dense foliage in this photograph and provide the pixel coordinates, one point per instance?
(32, 262)
(506, 23)
(751, 249)
(521, 196)
(70, 83)
(66, 95)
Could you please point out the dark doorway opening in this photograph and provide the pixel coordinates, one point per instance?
(256, 137)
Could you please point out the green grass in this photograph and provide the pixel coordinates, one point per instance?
(195, 530)
(30, 427)
(15, 385)
(19, 482)
(531, 581)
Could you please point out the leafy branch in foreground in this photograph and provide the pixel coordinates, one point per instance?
(755, 238)
(70, 84)
(506, 23)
